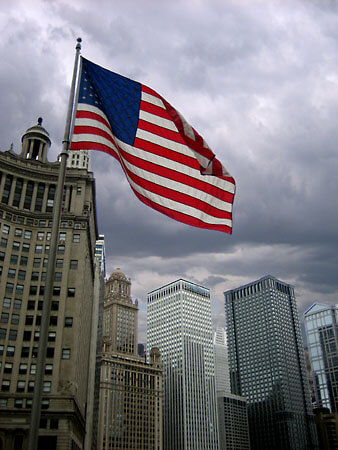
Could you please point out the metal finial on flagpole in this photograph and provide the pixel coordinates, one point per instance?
(47, 300)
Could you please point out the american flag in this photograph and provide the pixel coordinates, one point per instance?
(168, 164)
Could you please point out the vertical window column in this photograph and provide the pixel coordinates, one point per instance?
(7, 189)
(17, 192)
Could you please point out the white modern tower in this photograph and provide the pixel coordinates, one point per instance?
(222, 373)
(179, 324)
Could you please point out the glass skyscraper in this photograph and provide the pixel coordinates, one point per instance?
(179, 324)
(267, 364)
(322, 338)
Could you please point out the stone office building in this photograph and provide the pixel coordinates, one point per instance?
(130, 412)
(27, 189)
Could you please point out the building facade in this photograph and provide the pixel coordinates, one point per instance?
(267, 364)
(179, 324)
(233, 422)
(321, 324)
(27, 189)
(130, 411)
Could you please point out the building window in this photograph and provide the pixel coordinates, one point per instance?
(50, 352)
(73, 264)
(55, 306)
(18, 232)
(62, 236)
(45, 262)
(49, 369)
(40, 235)
(8, 367)
(29, 195)
(25, 247)
(11, 273)
(36, 263)
(53, 320)
(21, 275)
(18, 192)
(33, 290)
(68, 321)
(2, 255)
(5, 385)
(47, 386)
(61, 249)
(39, 197)
(28, 233)
(30, 386)
(3, 242)
(17, 303)
(38, 248)
(27, 335)
(33, 370)
(51, 336)
(24, 352)
(7, 302)
(10, 350)
(23, 368)
(35, 276)
(4, 317)
(29, 320)
(66, 353)
(23, 261)
(7, 189)
(31, 305)
(56, 291)
(71, 292)
(19, 289)
(6, 229)
(12, 335)
(3, 333)
(14, 259)
(76, 238)
(20, 387)
(9, 287)
(15, 319)
(58, 276)
(59, 263)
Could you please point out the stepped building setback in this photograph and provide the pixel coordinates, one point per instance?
(27, 188)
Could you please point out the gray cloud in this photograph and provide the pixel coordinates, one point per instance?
(257, 79)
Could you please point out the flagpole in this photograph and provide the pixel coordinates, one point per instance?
(47, 300)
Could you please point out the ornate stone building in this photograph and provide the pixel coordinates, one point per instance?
(130, 413)
(27, 189)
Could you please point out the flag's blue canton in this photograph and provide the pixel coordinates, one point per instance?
(118, 97)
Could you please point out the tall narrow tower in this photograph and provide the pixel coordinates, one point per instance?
(267, 364)
(130, 409)
(120, 314)
(179, 324)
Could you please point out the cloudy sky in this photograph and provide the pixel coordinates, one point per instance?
(257, 79)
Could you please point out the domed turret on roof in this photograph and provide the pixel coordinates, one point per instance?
(35, 143)
(117, 275)
(118, 285)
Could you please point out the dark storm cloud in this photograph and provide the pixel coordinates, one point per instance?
(258, 80)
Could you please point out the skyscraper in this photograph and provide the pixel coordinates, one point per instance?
(179, 324)
(267, 364)
(27, 189)
(231, 409)
(222, 374)
(321, 324)
(130, 411)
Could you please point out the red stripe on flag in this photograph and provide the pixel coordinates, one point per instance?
(182, 217)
